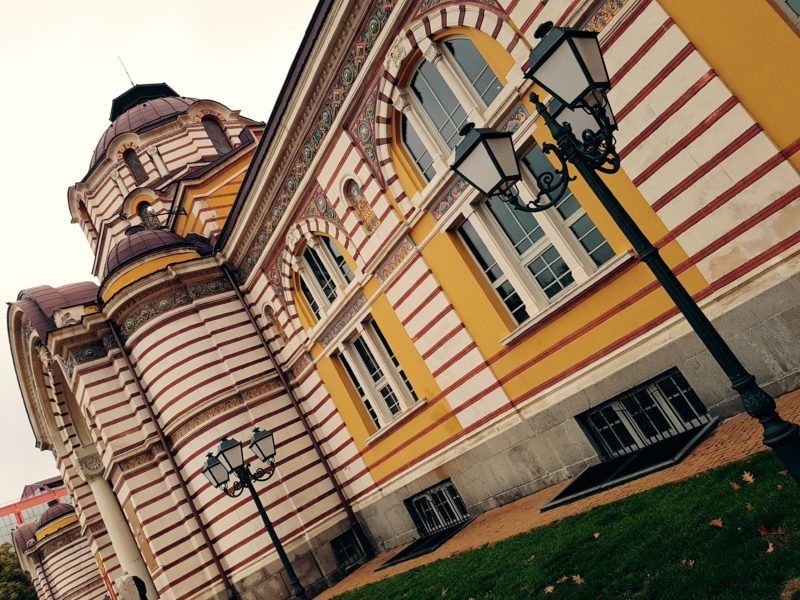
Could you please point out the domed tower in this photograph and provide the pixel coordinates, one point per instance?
(150, 163)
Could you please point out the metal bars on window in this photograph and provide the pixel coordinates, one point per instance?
(437, 509)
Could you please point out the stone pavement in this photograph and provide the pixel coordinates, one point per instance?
(733, 440)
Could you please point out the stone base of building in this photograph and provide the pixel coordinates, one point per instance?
(543, 443)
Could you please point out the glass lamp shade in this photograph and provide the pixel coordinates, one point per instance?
(263, 444)
(230, 454)
(215, 471)
(486, 159)
(569, 64)
(580, 119)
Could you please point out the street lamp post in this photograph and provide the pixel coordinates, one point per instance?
(569, 65)
(229, 460)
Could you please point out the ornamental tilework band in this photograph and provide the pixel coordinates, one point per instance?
(395, 259)
(259, 391)
(317, 206)
(88, 353)
(345, 317)
(604, 14)
(174, 299)
(301, 365)
(427, 5)
(144, 458)
(443, 204)
(219, 408)
(335, 97)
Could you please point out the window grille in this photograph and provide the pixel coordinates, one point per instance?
(347, 550)
(437, 509)
(655, 410)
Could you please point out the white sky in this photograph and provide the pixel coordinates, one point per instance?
(58, 74)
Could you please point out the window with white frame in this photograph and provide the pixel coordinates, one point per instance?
(435, 110)
(376, 375)
(323, 272)
(531, 259)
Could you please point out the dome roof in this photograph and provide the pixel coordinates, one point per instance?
(55, 511)
(138, 242)
(23, 534)
(140, 108)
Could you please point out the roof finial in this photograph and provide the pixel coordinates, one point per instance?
(126, 70)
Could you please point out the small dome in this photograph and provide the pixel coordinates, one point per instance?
(140, 108)
(140, 241)
(23, 534)
(55, 511)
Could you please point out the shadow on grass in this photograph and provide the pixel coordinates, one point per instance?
(643, 549)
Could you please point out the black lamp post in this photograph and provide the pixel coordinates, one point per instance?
(229, 460)
(569, 64)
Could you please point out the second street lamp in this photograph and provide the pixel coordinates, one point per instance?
(229, 460)
(570, 66)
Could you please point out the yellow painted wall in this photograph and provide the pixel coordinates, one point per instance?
(755, 52)
(128, 276)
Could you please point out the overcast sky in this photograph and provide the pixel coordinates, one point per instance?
(58, 74)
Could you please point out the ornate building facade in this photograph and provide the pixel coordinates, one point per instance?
(420, 353)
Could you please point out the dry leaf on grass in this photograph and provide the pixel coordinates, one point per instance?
(578, 580)
(530, 558)
(688, 563)
(562, 579)
(781, 486)
(444, 592)
(748, 506)
(734, 485)
(596, 535)
(717, 523)
(748, 477)
(765, 532)
(784, 472)
(549, 589)
(770, 548)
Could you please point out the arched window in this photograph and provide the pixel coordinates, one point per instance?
(439, 102)
(323, 273)
(135, 166)
(148, 216)
(217, 135)
(477, 71)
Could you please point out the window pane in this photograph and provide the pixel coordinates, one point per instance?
(309, 298)
(217, 135)
(369, 361)
(479, 73)
(521, 228)
(360, 391)
(135, 166)
(439, 102)
(394, 360)
(320, 273)
(338, 258)
(418, 150)
(493, 272)
(551, 272)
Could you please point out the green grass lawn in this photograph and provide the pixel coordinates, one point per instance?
(640, 553)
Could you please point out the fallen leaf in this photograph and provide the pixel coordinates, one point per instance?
(770, 548)
(748, 506)
(734, 485)
(530, 558)
(781, 486)
(549, 589)
(596, 535)
(747, 477)
(444, 592)
(765, 532)
(578, 580)
(562, 579)
(717, 523)
(688, 563)
(784, 472)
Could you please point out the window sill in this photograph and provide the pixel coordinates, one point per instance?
(396, 422)
(566, 301)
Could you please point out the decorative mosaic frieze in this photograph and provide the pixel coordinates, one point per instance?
(139, 460)
(443, 204)
(336, 95)
(65, 539)
(604, 14)
(170, 301)
(515, 118)
(345, 317)
(395, 259)
(362, 134)
(262, 390)
(301, 365)
(219, 408)
(427, 5)
(88, 353)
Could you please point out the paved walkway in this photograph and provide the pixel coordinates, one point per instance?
(733, 440)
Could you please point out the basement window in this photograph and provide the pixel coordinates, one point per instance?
(648, 428)
(347, 550)
(438, 513)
